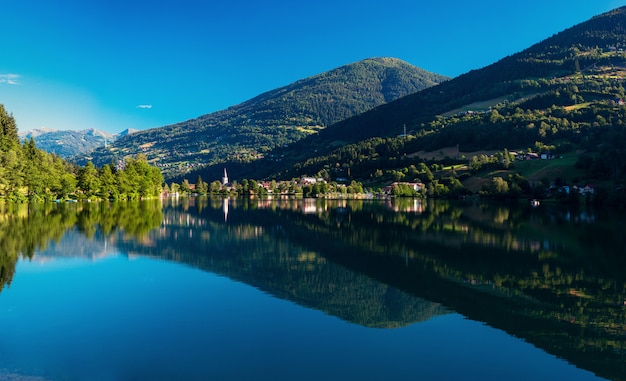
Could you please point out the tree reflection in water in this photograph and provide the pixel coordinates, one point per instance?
(551, 275)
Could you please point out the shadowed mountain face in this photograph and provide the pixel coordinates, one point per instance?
(250, 130)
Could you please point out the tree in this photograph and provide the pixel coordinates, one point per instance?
(506, 159)
(8, 131)
(146, 180)
(185, 187)
(33, 169)
(124, 186)
(254, 187)
(14, 176)
(403, 190)
(244, 187)
(68, 185)
(215, 187)
(355, 187)
(88, 181)
(425, 173)
(201, 187)
(108, 185)
(498, 188)
(56, 168)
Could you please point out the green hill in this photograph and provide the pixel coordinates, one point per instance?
(529, 73)
(248, 131)
(564, 94)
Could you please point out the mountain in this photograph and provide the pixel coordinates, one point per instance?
(250, 130)
(127, 132)
(68, 143)
(594, 44)
(563, 94)
(36, 132)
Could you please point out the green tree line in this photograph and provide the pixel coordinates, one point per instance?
(251, 187)
(30, 174)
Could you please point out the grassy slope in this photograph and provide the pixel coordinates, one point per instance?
(563, 167)
(488, 104)
(533, 170)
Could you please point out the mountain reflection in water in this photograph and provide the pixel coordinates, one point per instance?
(552, 276)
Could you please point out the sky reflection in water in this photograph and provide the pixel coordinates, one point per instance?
(121, 319)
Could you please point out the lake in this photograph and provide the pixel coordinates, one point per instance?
(306, 289)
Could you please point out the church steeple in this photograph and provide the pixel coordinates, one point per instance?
(225, 178)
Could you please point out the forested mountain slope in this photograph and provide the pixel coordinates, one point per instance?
(581, 49)
(248, 131)
(565, 92)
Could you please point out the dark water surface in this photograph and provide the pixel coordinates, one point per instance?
(211, 289)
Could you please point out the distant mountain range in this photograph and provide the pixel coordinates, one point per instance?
(250, 130)
(70, 143)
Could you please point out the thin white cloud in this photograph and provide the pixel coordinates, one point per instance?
(145, 106)
(10, 79)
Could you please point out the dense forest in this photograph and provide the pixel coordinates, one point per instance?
(30, 174)
(582, 115)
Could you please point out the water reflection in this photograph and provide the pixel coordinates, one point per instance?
(550, 275)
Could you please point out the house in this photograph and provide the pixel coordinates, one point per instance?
(415, 186)
(311, 180)
(267, 186)
(532, 156)
(588, 189)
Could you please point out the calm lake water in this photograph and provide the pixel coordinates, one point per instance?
(211, 289)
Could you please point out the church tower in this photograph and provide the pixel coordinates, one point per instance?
(225, 178)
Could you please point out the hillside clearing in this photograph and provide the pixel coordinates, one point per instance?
(534, 170)
(449, 153)
(563, 168)
(488, 104)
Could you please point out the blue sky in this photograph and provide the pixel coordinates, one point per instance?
(113, 64)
